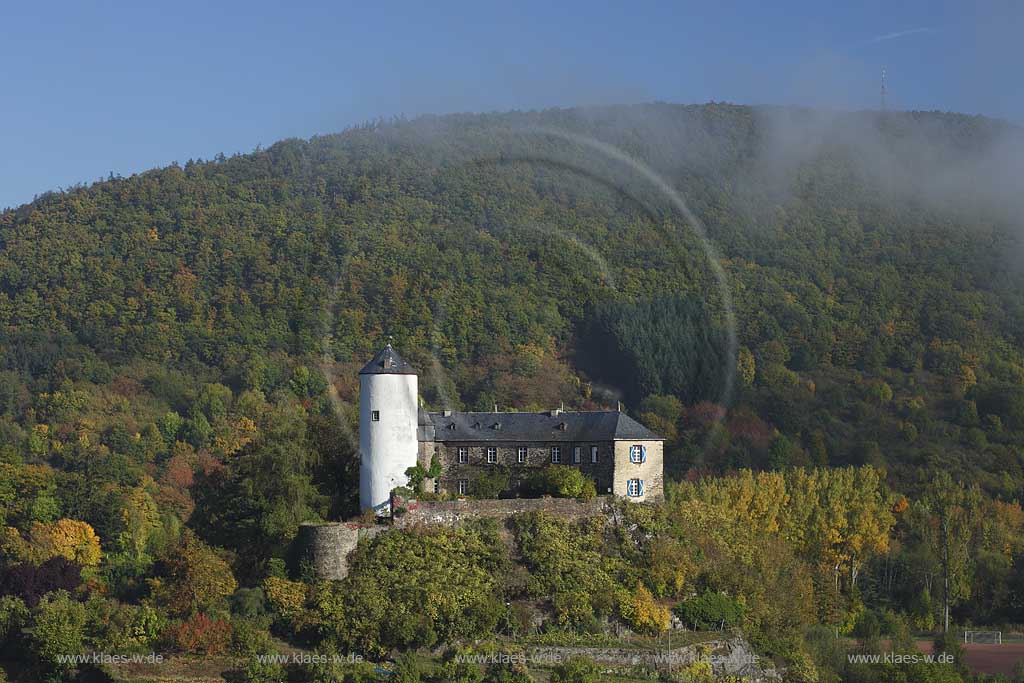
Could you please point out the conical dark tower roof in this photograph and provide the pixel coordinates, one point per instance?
(387, 362)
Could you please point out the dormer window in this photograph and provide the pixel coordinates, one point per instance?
(562, 426)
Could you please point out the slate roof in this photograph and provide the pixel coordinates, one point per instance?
(565, 426)
(387, 362)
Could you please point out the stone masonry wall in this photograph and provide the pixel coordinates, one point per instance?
(652, 472)
(538, 455)
(327, 546)
(454, 512)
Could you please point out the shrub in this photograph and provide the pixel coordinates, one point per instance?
(492, 483)
(249, 638)
(454, 671)
(561, 481)
(116, 627)
(248, 603)
(263, 672)
(503, 673)
(203, 635)
(711, 611)
(642, 612)
(408, 669)
(576, 670)
(288, 600)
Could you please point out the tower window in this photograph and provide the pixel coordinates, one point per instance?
(463, 455)
(521, 455)
(577, 455)
(556, 454)
(593, 454)
(635, 487)
(374, 416)
(463, 486)
(492, 455)
(637, 454)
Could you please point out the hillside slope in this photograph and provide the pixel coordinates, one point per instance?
(871, 262)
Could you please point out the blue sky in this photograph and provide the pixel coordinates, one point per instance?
(89, 88)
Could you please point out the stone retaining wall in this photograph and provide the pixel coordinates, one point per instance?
(454, 512)
(732, 659)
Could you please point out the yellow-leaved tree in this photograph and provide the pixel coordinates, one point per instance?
(641, 611)
(68, 538)
(141, 518)
(288, 598)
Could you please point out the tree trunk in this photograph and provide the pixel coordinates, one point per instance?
(945, 575)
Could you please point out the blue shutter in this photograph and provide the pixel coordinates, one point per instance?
(643, 455)
(640, 488)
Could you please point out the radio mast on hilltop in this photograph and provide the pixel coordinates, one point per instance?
(885, 89)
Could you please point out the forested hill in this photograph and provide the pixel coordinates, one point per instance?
(871, 261)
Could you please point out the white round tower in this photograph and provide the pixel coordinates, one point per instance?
(388, 420)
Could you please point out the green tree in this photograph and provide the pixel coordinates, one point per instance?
(57, 630)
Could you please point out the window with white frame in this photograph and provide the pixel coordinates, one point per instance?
(374, 416)
(637, 453)
(635, 487)
(556, 454)
(437, 486)
(593, 454)
(521, 456)
(463, 455)
(577, 455)
(463, 486)
(492, 455)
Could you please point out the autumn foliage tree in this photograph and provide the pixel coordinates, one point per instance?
(191, 577)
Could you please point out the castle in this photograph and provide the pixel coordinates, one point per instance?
(623, 457)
